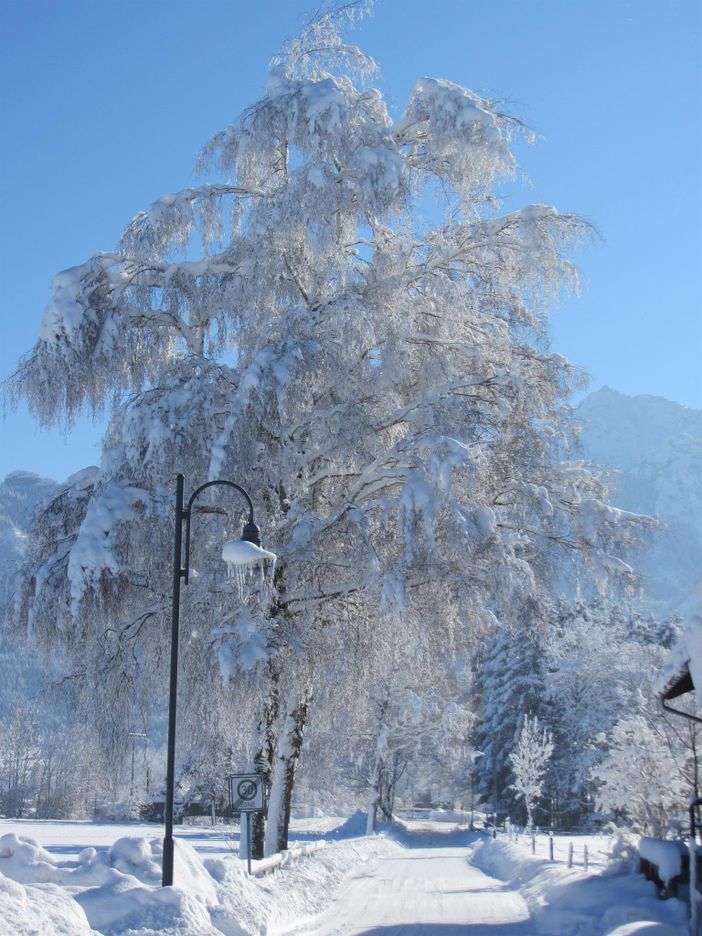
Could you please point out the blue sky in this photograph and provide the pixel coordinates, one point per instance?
(104, 106)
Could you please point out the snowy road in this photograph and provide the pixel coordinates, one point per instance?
(425, 891)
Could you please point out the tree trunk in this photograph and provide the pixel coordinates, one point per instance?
(283, 775)
(376, 777)
(263, 759)
(387, 794)
(374, 798)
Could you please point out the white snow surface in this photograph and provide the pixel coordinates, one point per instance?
(667, 856)
(238, 552)
(431, 877)
(426, 890)
(607, 899)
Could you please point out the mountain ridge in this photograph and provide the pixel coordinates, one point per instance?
(652, 450)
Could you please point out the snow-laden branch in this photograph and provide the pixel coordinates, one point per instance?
(433, 398)
(171, 220)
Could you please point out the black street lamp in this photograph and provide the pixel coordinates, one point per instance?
(242, 552)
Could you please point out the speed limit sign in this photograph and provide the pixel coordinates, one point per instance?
(246, 792)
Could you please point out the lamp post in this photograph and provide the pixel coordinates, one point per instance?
(245, 551)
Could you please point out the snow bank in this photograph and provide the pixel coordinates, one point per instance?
(117, 890)
(125, 906)
(39, 910)
(355, 825)
(645, 929)
(448, 815)
(570, 900)
(24, 860)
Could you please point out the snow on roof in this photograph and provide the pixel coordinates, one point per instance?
(667, 856)
(685, 657)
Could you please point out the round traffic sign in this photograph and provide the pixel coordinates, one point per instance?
(246, 790)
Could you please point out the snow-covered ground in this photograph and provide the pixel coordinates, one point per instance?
(80, 878)
(67, 839)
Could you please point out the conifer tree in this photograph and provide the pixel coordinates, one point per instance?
(510, 687)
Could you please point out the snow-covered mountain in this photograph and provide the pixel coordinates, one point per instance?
(653, 447)
(20, 494)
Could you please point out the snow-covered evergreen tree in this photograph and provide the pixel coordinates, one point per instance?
(379, 381)
(588, 667)
(510, 685)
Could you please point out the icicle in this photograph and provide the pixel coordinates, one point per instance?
(238, 573)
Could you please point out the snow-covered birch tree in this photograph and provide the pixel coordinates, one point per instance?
(529, 760)
(378, 379)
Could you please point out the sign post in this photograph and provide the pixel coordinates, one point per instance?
(246, 796)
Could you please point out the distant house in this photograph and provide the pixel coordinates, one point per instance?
(680, 686)
(682, 673)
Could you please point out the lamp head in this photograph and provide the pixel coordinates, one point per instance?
(251, 533)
